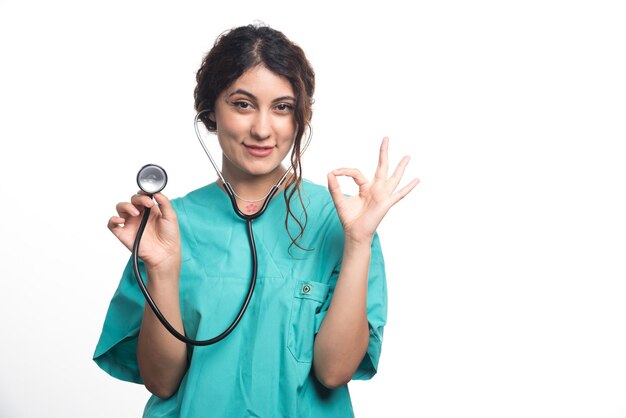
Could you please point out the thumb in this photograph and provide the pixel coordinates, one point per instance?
(167, 211)
(334, 188)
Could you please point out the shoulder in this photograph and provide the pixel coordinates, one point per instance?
(315, 189)
(197, 201)
(316, 197)
(206, 205)
(320, 211)
(197, 196)
(318, 204)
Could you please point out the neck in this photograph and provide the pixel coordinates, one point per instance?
(252, 190)
(254, 187)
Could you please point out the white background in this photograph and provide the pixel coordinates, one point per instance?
(506, 266)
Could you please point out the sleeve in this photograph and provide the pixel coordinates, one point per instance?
(116, 351)
(376, 312)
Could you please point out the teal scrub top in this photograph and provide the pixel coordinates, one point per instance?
(263, 368)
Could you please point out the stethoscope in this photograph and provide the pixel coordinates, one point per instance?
(151, 179)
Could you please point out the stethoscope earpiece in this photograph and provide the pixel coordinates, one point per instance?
(151, 179)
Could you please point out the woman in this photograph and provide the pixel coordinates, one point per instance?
(316, 318)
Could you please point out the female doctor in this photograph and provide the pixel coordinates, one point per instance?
(316, 318)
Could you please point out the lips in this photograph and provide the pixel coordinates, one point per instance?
(258, 151)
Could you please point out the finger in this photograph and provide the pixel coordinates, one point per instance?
(383, 160)
(334, 188)
(395, 178)
(126, 208)
(355, 173)
(117, 227)
(400, 194)
(142, 199)
(115, 222)
(167, 211)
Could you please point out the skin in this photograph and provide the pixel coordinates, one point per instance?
(257, 112)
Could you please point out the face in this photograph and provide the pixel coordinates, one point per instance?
(255, 124)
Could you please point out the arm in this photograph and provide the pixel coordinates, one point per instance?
(343, 337)
(162, 359)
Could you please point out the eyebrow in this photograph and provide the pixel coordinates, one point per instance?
(253, 97)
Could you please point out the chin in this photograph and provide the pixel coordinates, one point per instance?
(263, 169)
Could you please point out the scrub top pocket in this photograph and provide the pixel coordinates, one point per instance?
(308, 300)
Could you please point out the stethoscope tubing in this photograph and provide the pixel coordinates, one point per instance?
(244, 306)
(253, 253)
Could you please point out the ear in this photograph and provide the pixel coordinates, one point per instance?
(211, 124)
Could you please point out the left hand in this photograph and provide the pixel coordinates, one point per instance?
(361, 214)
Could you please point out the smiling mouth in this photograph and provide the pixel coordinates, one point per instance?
(258, 151)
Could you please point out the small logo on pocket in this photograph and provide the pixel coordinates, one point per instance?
(306, 289)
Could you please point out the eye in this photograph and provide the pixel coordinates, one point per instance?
(240, 104)
(284, 107)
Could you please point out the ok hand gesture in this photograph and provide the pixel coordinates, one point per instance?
(361, 214)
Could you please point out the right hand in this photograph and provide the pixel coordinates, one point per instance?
(160, 243)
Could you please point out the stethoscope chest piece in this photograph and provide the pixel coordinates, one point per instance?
(151, 178)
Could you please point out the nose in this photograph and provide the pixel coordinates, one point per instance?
(261, 126)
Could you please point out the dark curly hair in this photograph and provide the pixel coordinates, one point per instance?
(236, 51)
